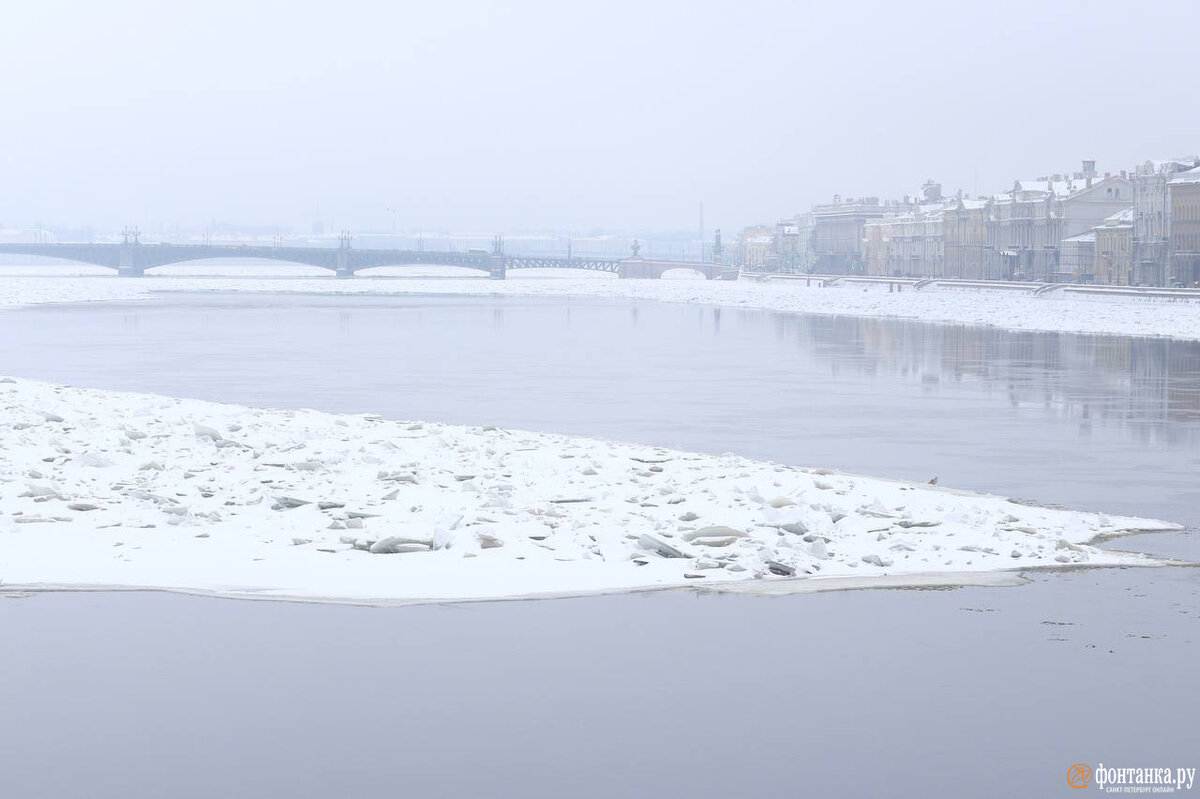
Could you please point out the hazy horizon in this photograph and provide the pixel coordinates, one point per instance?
(535, 116)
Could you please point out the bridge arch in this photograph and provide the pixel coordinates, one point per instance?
(683, 273)
(235, 262)
(434, 270)
(107, 257)
(77, 266)
(585, 272)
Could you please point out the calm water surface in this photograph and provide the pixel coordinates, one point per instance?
(985, 692)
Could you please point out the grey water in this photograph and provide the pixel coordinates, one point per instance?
(982, 692)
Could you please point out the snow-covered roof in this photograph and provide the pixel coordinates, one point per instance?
(1191, 176)
(1066, 187)
(970, 203)
(1059, 188)
(1082, 238)
(1122, 217)
(1155, 166)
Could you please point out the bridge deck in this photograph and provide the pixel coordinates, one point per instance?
(135, 258)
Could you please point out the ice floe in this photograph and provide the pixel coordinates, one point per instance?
(106, 489)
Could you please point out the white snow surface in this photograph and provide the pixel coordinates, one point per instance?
(1120, 315)
(102, 489)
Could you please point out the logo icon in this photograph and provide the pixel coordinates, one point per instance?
(1079, 775)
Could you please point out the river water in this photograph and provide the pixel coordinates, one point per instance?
(983, 692)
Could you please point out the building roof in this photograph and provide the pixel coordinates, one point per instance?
(1191, 176)
(1158, 166)
(1083, 238)
(1059, 188)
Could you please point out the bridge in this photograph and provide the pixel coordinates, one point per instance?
(131, 258)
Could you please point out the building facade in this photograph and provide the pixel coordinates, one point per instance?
(964, 224)
(1152, 220)
(1077, 259)
(1026, 226)
(756, 248)
(1114, 249)
(793, 243)
(1184, 194)
(837, 239)
(907, 244)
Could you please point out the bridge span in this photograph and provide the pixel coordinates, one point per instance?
(132, 258)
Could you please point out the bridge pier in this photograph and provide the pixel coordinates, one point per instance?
(343, 269)
(636, 269)
(497, 267)
(644, 269)
(127, 265)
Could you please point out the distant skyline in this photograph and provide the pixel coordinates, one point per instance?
(480, 116)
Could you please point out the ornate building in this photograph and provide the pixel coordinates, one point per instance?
(837, 239)
(909, 244)
(1152, 219)
(1114, 249)
(793, 243)
(1077, 258)
(756, 248)
(1184, 192)
(965, 227)
(1026, 226)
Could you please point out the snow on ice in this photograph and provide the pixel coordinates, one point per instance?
(101, 489)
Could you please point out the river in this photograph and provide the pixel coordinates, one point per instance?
(983, 692)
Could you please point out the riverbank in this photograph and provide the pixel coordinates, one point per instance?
(106, 489)
(1008, 310)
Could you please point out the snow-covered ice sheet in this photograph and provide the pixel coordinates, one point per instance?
(1118, 315)
(106, 489)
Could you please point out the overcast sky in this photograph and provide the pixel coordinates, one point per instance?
(567, 115)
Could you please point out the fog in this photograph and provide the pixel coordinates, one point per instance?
(500, 116)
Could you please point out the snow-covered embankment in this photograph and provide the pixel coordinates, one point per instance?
(1129, 316)
(127, 490)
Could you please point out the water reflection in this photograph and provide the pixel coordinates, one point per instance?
(1145, 384)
